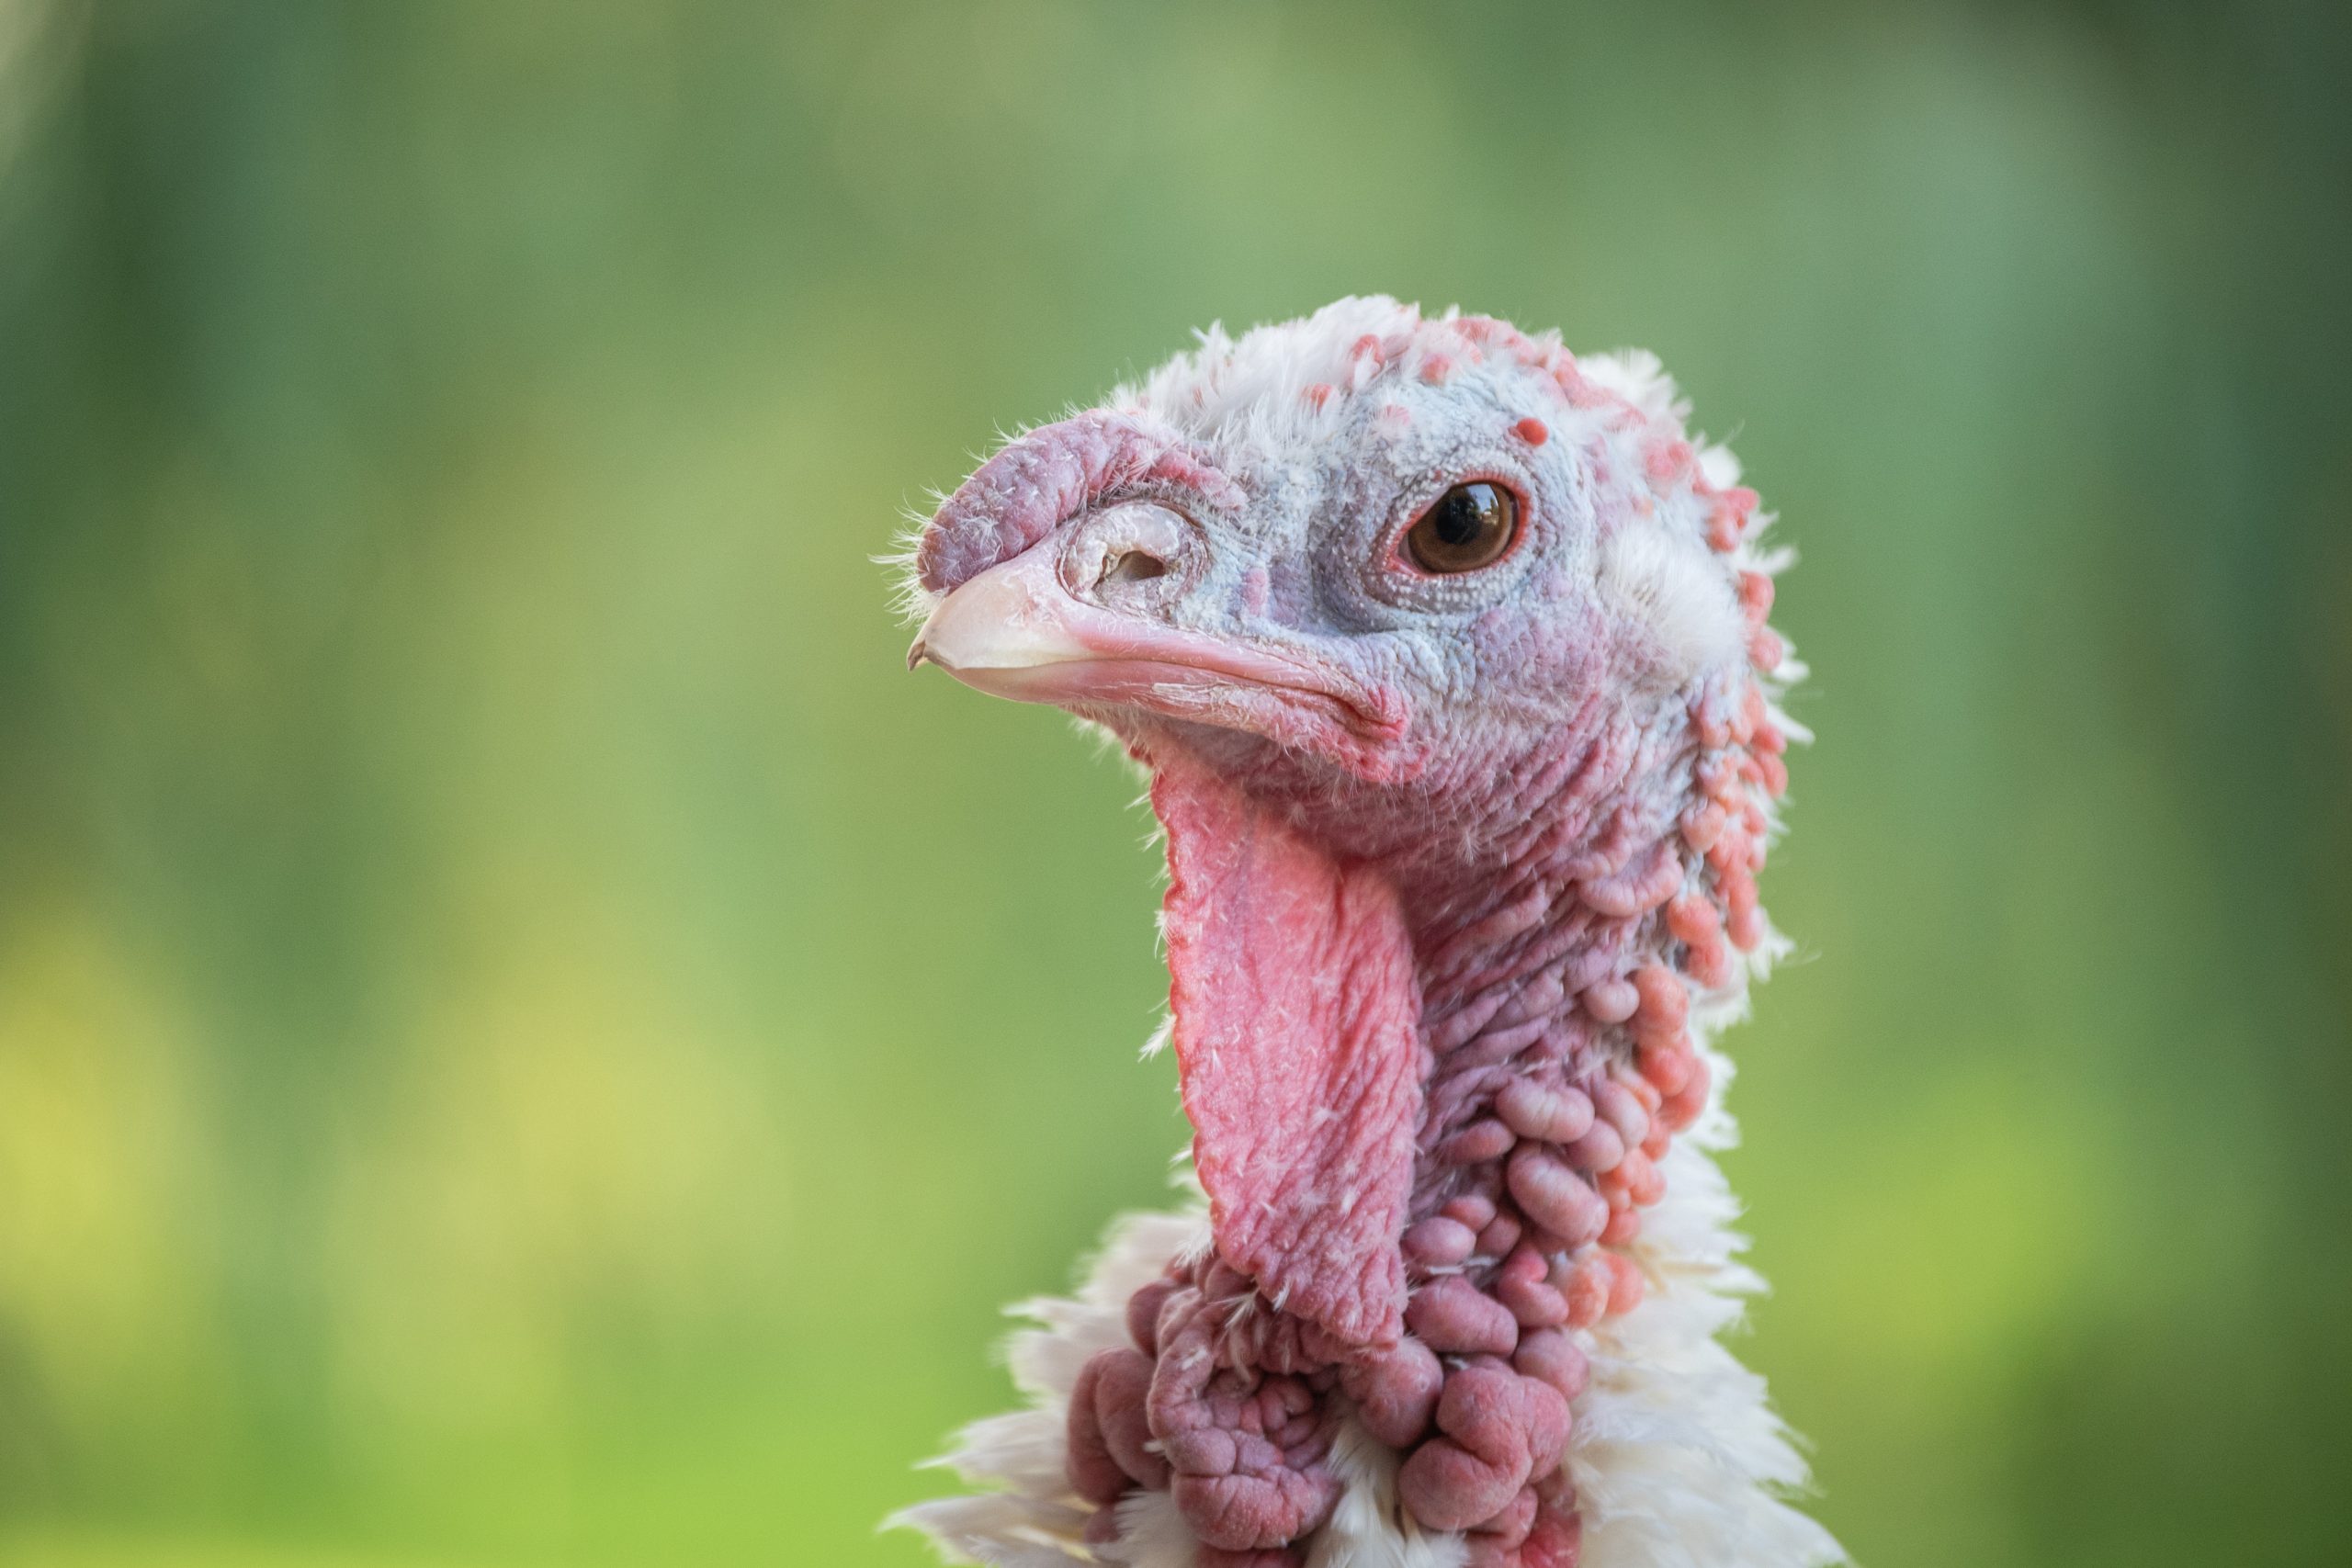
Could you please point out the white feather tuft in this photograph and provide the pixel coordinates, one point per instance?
(1368, 1529)
(1670, 586)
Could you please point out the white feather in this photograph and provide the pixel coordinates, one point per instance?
(1669, 586)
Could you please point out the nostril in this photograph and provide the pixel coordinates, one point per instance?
(1136, 556)
(1134, 566)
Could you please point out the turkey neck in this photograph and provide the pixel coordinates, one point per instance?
(1510, 943)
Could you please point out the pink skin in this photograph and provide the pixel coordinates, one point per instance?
(1245, 1448)
(1431, 1073)
(1028, 489)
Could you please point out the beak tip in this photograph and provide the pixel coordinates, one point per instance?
(916, 656)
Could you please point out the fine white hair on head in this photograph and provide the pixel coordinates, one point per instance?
(1635, 374)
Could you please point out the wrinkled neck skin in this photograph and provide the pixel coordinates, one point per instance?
(1430, 1075)
(1548, 886)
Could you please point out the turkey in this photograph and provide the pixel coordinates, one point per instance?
(1446, 652)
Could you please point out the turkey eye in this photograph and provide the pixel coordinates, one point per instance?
(1470, 526)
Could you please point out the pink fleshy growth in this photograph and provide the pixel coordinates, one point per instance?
(1580, 393)
(1667, 461)
(1637, 889)
(1600, 1148)
(1611, 1001)
(1245, 1453)
(1453, 1316)
(1552, 1355)
(1473, 1209)
(1709, 963)
(1497, 1428)
(1551, 1115)
(1585, 1284)
(1110, 1438)
(1618, 1103)
(1093, 1473)
(1302, 1092)
(1395, 1390)
(1682, 1107)
(1494, 1542)
(1693, 919)
(1439, 1242)
(1664, 1001)
(1524, 1285)
(1436, 369)
(1555, 1542)
(1532, 431)
(1502, 1234)
(1666, 1062)
(1318, 395)
(1482, 1140)
(1554, 1196)
(1038, 482)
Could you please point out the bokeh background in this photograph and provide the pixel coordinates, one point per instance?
(526, 1037)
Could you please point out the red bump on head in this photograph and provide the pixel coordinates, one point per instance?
(1532, 431)
(1436, 367)
(1316, 395)
(1666, 1063)
(1580, 393)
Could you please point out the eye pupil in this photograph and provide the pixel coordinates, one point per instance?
(1457, 518)
(1471, 526)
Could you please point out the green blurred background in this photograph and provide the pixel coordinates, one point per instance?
(527, 1038)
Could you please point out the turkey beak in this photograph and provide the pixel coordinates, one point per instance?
(1083, 619)
(997, 630)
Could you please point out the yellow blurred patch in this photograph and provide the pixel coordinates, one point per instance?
(107, 1197)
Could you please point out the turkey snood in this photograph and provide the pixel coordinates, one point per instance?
(1446, 652)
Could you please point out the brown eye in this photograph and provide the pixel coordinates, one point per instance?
(1470, 526)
